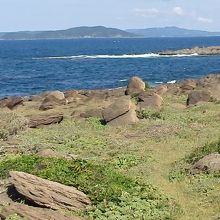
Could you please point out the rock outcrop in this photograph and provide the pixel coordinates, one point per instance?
(47, 119)
(209, 163)
(48, 194)
(135, 86)
(214, 50)
(121, 112)
(33, 213)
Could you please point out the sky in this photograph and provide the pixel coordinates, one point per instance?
(20, 15)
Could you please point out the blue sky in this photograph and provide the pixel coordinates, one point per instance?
(18, 15)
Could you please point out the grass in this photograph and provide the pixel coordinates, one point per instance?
(155, 152)
(112, 193)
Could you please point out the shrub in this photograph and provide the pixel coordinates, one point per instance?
(11, 124)
(149, 114)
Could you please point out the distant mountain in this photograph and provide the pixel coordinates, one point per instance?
(77, 32)
(171, 32)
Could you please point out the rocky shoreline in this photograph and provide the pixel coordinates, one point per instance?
(132, 116)
(202, 51)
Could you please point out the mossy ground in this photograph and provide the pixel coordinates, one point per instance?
(150, 152)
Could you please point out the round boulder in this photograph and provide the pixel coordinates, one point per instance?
(135, 86)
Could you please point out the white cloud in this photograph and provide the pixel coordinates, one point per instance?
(205, 20)
(179, 11)
(151, 12)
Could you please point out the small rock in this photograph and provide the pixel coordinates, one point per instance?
(11, 102)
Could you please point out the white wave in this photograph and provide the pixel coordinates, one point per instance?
(158, 82)
(172, 82)
(123, 80)
(123, 56)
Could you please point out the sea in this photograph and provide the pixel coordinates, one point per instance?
(34, 66)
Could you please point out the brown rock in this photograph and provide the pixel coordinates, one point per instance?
(40, 120)
(97, 113)
(150, 101)
(161, 90)
(33, 213)
(122, 112)
(209, 163)
(118, 108)
(135, 86)
(188, 85)
(198, 96)
(48, 194)
(11, 102)
(50, 102)
(129, 118)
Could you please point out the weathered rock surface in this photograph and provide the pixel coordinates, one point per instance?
(135, 86)
(52, 100)
(149, 100)
(33, 213)
(209, 163)
(214, 50)
(48, 194)
(195, 97)
(121, 112)
(97, 113)
(11, 102)
(161, 90)
(40, 120)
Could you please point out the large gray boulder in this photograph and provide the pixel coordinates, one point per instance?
(135, 86)
(48, 194)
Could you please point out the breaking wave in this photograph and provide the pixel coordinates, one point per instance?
(124, 56)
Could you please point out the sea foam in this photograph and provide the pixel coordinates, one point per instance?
(123, 56)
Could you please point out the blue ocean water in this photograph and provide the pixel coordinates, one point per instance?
(30, 67)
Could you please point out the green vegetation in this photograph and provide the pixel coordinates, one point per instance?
(149, 114)
(14, 217)
(114, 194)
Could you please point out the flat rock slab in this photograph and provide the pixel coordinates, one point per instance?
(33, 213)
(40, 120)
(48, 194)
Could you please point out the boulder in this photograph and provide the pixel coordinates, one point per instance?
(40, 120)
(129, 118)
(161, 90)
(149, 100)
(209, 163)
(11, 102)
(187, 86)
(135, 86)
(121, 112)
(50, 102)
(33, 213)
(118, 108)
(56, 94)
(48, 194)
(197, 96)
(97, 113)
